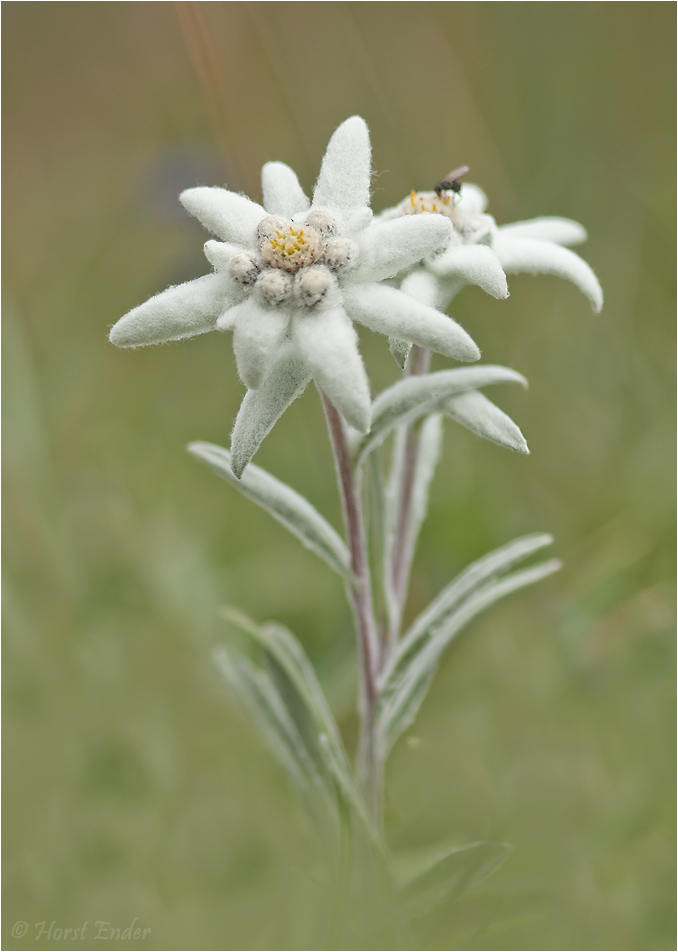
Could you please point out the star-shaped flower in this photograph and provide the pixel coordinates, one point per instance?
(479, 252)
(291, 277)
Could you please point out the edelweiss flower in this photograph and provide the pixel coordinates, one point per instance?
(478, 252)
(290, 278)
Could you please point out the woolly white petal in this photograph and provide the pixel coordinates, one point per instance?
(344, 180)
(473, 200)
(258, 332)
(220, 253)
(229, 216)
(388, 311)
(262, 408)
(283, 194)
(425, 287)
(181, 311)
(329, 345)
(472, 264)
(563, 231)
(385, 249)
(544, 257)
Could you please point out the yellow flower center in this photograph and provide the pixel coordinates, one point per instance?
(292, 248)
(430, 202)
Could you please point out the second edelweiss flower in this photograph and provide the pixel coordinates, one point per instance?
(290, 278)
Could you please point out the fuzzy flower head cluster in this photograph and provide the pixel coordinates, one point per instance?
(479, 252)
(292, 277)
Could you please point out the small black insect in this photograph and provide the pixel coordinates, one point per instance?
(451, 182)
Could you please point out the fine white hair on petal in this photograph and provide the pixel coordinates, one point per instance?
(344, 180)
(329, 345)
(563, 231)
(229, 216)
(425, 287)
(391, 312)
(385, 249)
(283, 195)
(473, 200)
(181, 311)
(518, 255)
(258, 332)
(220, 254)
(262, 408)
(472, 264)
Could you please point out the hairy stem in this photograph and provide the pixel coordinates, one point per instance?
(360, 596)
(403, 547)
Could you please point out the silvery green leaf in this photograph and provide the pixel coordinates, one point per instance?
(283, 503)
(449, 877)
(417, 395)
(259, 697)
(474, 411)
(406, 688)
(430, 439)
(481, 571)
(281, 644)
(306, 706)
(428, 453)
(400, 350)
(262, 408)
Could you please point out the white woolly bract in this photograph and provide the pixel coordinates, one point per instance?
(472, 200)
(329, 346)
(258, 332)
(262, 408)
(523, 255)
(387, 248)
(425, 287)
(283, 195)
(344, 180)
(563, 231)
(181, 311)
(472, 264)
(229, 216)
(391, 312)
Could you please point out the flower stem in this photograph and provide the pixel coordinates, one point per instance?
(370, 764)
(403, 549)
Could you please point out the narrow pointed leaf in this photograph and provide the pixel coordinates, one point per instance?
(448, 878)
(283, 503)
(307, 708)
(258, 696)
(478, 414)
(404, 694)
(428, 453)
(415, 396)
(478, 573)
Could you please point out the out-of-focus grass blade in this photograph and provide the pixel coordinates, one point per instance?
(449, 877)
(283, 503)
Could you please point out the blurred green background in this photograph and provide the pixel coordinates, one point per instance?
(133, 787)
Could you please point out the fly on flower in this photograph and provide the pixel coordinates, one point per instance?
(451, 182)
